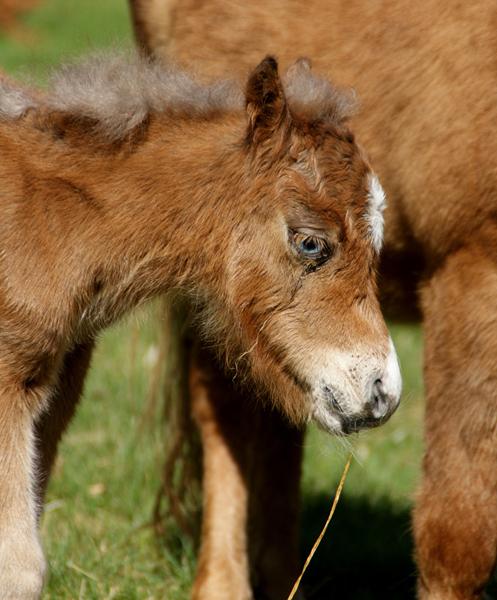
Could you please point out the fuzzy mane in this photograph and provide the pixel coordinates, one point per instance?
(315, 98)
(14, 101)
(118, 91)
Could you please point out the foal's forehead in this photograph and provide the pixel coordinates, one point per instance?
(342, 163)
(334, 171)
(342, 189)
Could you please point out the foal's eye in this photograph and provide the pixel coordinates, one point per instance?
(310, 247)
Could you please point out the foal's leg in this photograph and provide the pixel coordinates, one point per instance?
(27, 451)
(251, 491)
(53, 422)
(22, 564)
(455, 520)
(223, 571)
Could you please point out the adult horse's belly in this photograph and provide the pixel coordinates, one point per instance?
(426, 76)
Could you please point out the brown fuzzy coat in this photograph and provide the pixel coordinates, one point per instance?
(426, 75)
(129, 179)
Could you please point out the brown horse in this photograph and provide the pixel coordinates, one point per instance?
(426, 75)
(129, 179)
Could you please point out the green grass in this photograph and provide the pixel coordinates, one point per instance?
(63, 28)
(96, 525)
(95, 528)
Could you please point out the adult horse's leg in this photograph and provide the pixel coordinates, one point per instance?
(455, 520)
(276, 454)
(251, 482)
(53, 422)
(152, 21)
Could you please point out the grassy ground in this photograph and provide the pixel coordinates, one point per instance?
(95, 527)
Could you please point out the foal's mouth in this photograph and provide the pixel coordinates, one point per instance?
(348, 423)
(333, 398)
(355, 425)
(334, 404)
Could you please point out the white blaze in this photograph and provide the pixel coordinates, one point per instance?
(376, 206)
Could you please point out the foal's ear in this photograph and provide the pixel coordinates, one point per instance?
(265, 101)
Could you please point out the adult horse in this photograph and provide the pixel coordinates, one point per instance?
(426, 75)
(129, 179)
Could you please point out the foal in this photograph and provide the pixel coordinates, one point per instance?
(131, 179)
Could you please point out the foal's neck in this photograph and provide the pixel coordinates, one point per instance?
(123, 224)
(166, 205)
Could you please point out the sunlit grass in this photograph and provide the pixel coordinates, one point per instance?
(97, 524)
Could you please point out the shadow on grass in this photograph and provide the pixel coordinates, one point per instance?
(366, 553)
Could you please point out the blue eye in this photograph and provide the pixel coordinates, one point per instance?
(311, 247)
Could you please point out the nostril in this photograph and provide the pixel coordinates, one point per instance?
(379, 403)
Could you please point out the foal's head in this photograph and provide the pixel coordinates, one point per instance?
(300, 269)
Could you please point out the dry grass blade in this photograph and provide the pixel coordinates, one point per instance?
(323, 531)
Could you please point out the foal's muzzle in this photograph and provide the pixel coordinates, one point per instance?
(376, 410)
(352, 398)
